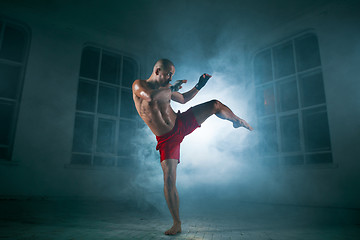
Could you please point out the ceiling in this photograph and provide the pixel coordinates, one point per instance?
(149, 18)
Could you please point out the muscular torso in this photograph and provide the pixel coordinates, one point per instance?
(158, 115)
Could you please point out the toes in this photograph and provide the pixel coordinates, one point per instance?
(172, 231)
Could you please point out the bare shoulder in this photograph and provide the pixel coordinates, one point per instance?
(141, 90)
(138, 84)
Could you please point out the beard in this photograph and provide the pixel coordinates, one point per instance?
(166, 83)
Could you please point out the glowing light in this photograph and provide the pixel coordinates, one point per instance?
(210, 153)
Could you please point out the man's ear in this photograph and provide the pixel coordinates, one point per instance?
(157, 71)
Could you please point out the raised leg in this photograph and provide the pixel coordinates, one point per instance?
(171, 194)
(205, 110)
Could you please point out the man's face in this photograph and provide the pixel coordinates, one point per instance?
(165, 76)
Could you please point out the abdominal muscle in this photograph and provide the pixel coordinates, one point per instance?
(158, 115)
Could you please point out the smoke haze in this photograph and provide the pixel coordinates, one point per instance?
(216, 37)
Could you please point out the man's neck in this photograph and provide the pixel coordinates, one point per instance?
(153, 83)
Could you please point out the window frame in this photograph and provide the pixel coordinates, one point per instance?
(119, 160)
(23, 67)
(279, 156)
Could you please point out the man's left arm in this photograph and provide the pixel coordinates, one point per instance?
(187, 96)
(184, 97)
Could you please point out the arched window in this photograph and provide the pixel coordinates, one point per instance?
(291, 103)
(105, 112)
(14, 47)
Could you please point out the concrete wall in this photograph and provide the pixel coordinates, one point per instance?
(44, 130)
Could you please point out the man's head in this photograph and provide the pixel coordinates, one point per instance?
(163, 70)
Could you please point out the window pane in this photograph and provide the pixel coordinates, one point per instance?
(307, 52)
(127, 105)
(284, 60)
(81, 159)
(319, 158)
(316, 129)
(126, 135)
(262, 67)
(108, 100)
(290, 136)
(13, 44)
(86, 96)
(125, 162)
(130, 69)
(265, 100)
(268, 136)
(9, 81)
(110, 68)
(83, 133)
(104, 161)
(105, 142)
(6, 120)
(293, 160)
(270, 162)
(312, 89)
(90, 63)
(287, 95)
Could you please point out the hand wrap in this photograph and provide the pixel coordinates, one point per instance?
(176, 86)
(202, 81)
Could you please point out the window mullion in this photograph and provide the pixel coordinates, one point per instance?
(120, 88)
(96, 116)
(277, 120)
(299, 110)
(117, 133)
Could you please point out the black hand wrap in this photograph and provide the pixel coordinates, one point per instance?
(202, 81)
(176, 86)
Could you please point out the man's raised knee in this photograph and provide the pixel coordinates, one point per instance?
(215, 105)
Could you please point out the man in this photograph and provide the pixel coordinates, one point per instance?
(152, 101)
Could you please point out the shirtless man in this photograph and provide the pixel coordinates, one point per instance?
(152, 101)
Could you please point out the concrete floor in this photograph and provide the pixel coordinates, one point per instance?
(110, 220)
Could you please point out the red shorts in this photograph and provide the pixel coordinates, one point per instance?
(169, 143)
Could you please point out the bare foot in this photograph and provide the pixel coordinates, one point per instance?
(242, 123)
(175, 229)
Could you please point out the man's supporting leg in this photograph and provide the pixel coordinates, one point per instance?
(205, 110)
(171, 194)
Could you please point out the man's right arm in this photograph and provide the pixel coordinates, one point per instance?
(141, 90)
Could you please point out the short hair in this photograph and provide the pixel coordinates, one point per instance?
(163, 64)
